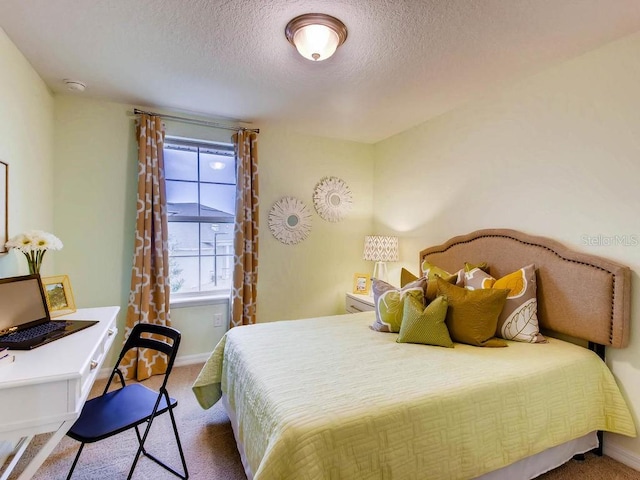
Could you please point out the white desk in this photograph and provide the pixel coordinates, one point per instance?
(45, 388)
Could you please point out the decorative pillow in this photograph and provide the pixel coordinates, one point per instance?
(406, 277)
(425, 325)
(432, 271)
(389, 302)
(519, 318)
(472, 315)
(470, 266)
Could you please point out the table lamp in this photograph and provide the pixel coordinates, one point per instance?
(380, 249)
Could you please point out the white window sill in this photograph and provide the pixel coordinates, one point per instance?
(200, 300)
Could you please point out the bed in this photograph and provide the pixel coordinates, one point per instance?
(330, 398)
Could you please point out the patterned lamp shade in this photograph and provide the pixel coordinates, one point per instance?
(380, 248)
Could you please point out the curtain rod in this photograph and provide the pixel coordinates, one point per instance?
(204, 123)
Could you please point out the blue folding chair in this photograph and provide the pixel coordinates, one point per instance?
(131, 405)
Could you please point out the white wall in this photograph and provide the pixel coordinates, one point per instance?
(26, 144)
(556, 155)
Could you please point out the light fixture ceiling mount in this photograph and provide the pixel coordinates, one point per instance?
(316, 35)
(75, 85)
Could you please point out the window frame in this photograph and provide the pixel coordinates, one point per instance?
(187, 299)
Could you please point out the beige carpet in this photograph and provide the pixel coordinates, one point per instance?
(210, 449)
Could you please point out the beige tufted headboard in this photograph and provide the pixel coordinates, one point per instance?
(580, 295)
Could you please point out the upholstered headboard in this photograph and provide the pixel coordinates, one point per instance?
(580, 295)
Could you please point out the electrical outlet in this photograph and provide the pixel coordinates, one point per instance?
(217, 319)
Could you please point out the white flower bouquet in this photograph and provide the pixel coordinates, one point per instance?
(34, 244)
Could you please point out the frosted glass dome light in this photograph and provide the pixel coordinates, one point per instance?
(316, 36)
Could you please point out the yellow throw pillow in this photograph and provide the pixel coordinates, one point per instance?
(472, 315)
(406, 277)
(432, 271)
(425, 325)
(519, 319)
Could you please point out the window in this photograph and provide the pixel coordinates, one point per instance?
(201, 187)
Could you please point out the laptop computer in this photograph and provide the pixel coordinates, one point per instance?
(25, 322)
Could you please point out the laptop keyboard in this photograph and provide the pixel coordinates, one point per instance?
(33, 332)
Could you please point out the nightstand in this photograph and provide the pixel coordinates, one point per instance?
(355, 303)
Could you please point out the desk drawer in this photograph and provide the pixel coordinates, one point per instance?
(91, 369)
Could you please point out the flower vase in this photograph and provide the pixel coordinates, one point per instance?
(34, 244)
(33, 269)
(34, 260)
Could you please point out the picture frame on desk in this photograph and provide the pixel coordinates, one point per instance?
(361, 283)
(59, 295)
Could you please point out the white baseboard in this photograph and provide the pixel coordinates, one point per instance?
(630, 459)
(191, 359)
(181, 361)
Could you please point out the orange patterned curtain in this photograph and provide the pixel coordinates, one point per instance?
(245, 272)
(149, 296)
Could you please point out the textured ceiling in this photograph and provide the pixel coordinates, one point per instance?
(404, 61)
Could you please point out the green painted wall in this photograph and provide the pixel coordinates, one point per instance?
(555, 155)
(311, 278)
(26, 141)
(95, 188)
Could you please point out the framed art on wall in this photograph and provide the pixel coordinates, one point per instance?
(59, 295)
(4, 206)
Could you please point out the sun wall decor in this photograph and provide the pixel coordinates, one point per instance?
(290, 220)
(332, 199)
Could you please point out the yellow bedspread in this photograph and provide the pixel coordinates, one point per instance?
(328, 398)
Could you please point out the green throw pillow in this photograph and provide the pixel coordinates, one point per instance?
(472, 266)
(425, 326)
(432, 271)
(472, 316)
(389, 302)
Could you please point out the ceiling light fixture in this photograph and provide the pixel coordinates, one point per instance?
(74, 85)
(316, 35)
